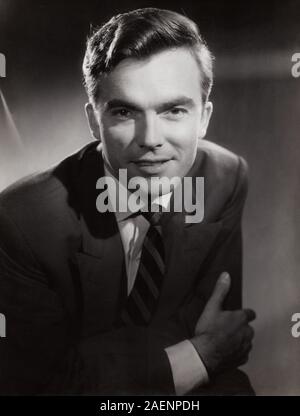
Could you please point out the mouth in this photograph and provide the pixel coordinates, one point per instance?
(151, 162)
(151, 165)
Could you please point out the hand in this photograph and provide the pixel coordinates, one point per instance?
(223, 338)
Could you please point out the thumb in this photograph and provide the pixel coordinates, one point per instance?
(220, 292)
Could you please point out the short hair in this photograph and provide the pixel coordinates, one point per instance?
(140, 34)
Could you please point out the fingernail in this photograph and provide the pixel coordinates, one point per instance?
(225, 277)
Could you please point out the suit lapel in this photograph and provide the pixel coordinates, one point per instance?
(187, 245)
(100, 260)
(186, 249)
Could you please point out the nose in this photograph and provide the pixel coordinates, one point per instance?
(149, 134)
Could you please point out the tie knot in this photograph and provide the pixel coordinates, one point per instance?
(153, 217)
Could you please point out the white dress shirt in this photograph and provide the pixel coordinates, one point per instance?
(187, 367)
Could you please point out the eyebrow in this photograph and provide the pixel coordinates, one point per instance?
(178, 101)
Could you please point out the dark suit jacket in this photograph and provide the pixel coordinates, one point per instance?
(62, 281)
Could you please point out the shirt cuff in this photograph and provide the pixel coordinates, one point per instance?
(187, 367)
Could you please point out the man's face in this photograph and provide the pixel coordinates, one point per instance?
(150, 115)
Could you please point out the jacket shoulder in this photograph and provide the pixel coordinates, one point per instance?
(220, 164)
(222, 160)
(45, 202)
(225, 174)
(43, 189)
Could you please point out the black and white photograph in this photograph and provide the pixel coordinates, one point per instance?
(149, 198)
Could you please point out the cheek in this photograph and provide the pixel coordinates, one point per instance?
(120, 134)
(184, 136)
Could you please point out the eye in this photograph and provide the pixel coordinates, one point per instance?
(178, 110)
(176, 113)
(122, 113)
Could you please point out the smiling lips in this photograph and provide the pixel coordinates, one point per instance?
(150, 162)
(151, 166)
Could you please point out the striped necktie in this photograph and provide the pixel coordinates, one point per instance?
(143, 298)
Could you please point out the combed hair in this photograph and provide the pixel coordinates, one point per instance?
(139, 34)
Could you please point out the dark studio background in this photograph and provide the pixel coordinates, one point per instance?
(256, 114)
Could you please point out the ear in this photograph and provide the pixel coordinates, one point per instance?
(92, 120)
(205, 118)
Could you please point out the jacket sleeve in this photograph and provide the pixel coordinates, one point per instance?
(40, 355)
(225, 255)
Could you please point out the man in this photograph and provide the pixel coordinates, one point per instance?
(111, 302)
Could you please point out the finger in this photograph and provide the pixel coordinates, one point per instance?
(243, 360)
(244, 352)
(250, 314)
(248, 348)
(220, 292)
(249, 333)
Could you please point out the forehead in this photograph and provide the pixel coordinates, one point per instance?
(162, 76)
